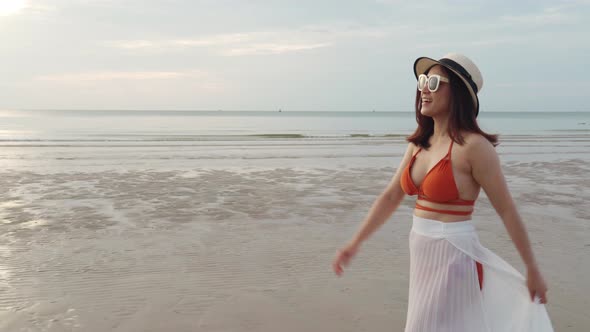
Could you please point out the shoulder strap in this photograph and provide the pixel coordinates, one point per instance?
(450, 149)
(415, 154)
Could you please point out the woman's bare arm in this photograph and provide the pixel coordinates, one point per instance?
(487, 171)
(385, 204)
(382, 209)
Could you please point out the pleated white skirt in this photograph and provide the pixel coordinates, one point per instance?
(445, 291)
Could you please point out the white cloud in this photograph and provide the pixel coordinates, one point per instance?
(133, 44)
(128, 86)
(20, 7)
(226, 39)
(272, 48)
(264, 42)
(117, 75)
(499, 41)
(551, 15)
(12, 7)
(536, 85)
(215, 40)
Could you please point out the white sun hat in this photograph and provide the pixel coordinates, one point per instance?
(459, 64)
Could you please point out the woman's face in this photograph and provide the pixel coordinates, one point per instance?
(436, 103)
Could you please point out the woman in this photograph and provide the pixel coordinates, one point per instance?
(455, 283)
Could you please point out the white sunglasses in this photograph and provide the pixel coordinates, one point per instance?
(432, 81)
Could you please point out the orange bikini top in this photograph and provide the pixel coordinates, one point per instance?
(438, 185)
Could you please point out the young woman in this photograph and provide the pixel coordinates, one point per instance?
(455, 283)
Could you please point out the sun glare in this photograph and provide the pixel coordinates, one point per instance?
(9, 7)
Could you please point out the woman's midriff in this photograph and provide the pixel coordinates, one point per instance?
(463, 211)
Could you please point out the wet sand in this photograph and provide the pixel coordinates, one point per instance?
(236, 243)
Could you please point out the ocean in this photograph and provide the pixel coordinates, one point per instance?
(88, 141)
(149, 126)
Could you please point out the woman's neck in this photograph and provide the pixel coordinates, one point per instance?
(441, 128)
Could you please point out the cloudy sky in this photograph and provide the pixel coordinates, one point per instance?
(349, 55)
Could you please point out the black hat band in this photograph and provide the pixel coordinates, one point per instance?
(458, 68)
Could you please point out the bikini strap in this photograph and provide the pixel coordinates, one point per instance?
(415, 154)
(450, 149)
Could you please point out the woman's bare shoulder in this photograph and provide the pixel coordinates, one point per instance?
(474, 140)
(477, 145)
(411, 148)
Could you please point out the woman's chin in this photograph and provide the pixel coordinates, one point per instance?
(426, 111)
(430, 111)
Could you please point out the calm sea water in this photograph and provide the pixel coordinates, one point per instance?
(103, 126)
(89, 141)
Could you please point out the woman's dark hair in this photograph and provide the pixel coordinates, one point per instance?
(462, 116)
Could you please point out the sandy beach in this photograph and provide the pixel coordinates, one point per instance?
(227, 237)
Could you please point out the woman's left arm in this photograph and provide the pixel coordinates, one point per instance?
(487, 171)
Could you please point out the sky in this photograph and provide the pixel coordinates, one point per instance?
(304, 55)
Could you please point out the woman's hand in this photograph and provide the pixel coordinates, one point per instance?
(343, 257)
(380, 211)
(536, 284)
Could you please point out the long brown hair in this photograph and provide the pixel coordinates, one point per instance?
(461, 118)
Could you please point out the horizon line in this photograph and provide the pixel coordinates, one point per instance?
(267, 110)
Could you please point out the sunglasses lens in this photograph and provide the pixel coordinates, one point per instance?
(422, 80)
(433, 83)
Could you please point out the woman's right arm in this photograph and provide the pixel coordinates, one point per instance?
(383, 207)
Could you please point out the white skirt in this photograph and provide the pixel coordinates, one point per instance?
(449, 293)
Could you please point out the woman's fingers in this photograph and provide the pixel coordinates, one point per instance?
(538, 296)
(342, 259)
(542, 295)
(337, 264)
